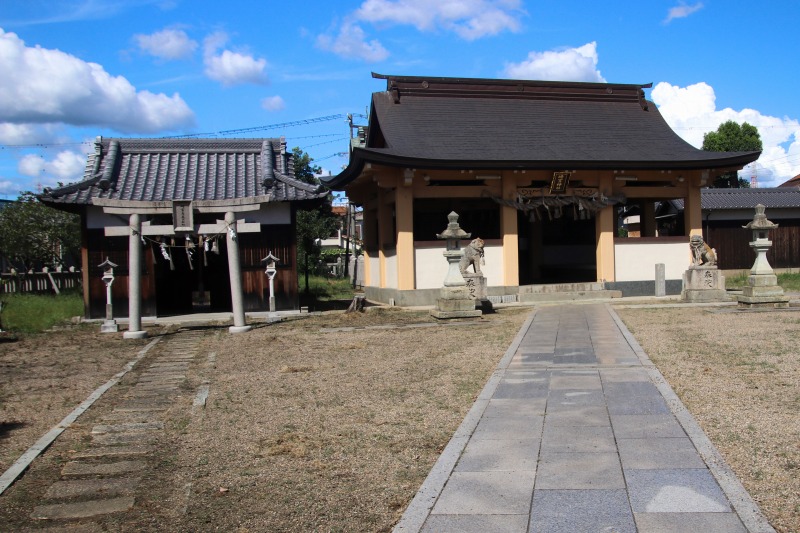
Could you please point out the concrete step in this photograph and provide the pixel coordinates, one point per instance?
(561, 287)
(568, 296)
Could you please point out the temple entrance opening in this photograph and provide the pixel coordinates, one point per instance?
(558, 246)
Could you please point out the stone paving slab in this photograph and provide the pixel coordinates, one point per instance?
(114, 439)
(675, 491)
(112, 451)
(91, 487)
(581, 510)
(85, 509)
(653, 453)
(126, 427)
(78, 468)
(486, 493)
(577, 431)
(689, 522)
(574, 471)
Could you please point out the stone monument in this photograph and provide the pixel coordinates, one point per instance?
(702, 281)
(762, 289)
(476, 281)
(455, 300)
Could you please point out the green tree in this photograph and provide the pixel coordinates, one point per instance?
(313, 223)
(732, 137)
(33, 235)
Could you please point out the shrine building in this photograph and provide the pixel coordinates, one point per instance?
(169, 212)
(540, 170)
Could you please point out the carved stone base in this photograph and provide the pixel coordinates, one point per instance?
(763, 291)
(476, 284)
(109, 326)
(704, 284)
(455, 303)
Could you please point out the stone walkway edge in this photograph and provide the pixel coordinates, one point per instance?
(420, 507)
(24, 461)
(418, 511)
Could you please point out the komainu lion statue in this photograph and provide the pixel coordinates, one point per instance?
(702, 253)
(473, 255)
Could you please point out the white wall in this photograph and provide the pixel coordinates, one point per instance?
(374, 271)
(391, 269)
(431, 267)
(636, 261)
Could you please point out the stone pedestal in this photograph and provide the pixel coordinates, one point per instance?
(109, 326)
(762, 290)
(455, 302)
(704, 284)
(476, 284)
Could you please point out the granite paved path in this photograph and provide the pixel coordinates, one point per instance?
(577, 431)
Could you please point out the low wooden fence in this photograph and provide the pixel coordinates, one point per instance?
(39, 282)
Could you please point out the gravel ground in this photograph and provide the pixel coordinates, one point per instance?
(739, 375)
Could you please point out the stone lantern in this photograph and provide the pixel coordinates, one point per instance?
(109, 325)
(271, 270)
(762, 289)
(455, 300)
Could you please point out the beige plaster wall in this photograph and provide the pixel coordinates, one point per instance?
(431, 266)
(636, 261)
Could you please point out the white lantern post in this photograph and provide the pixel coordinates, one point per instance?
(110, 325)
(271, 270)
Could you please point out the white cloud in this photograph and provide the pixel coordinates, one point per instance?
(9, 187)
(469, 19)
(273, 103)
(67, 166)
(231, 68)
(168, 44)
(570, 64)
(691, 111)
(50, 86)
(682, 11)
(351, 42)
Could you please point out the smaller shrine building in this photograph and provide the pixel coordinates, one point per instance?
(170, 212)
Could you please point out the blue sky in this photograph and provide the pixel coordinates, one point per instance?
(71, 70)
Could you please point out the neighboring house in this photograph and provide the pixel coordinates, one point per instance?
(725, 211)
(794, 182)
(537, 169)
(182, 204)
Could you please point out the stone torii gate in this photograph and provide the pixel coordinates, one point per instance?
(182, 212)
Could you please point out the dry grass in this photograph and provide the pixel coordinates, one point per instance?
(739, 375)
(331, 423)
(43, 377)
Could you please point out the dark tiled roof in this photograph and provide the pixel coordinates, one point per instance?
(149, 170)
(469, 123)
(778, 197)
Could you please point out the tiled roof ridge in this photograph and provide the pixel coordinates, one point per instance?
(297, 184)
(432, 86)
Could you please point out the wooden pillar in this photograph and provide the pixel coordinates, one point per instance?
(235, 272)
(510, 232)
(647, 218)
(604, 229)
(692, 210)
(404, 218)
(135, 280)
